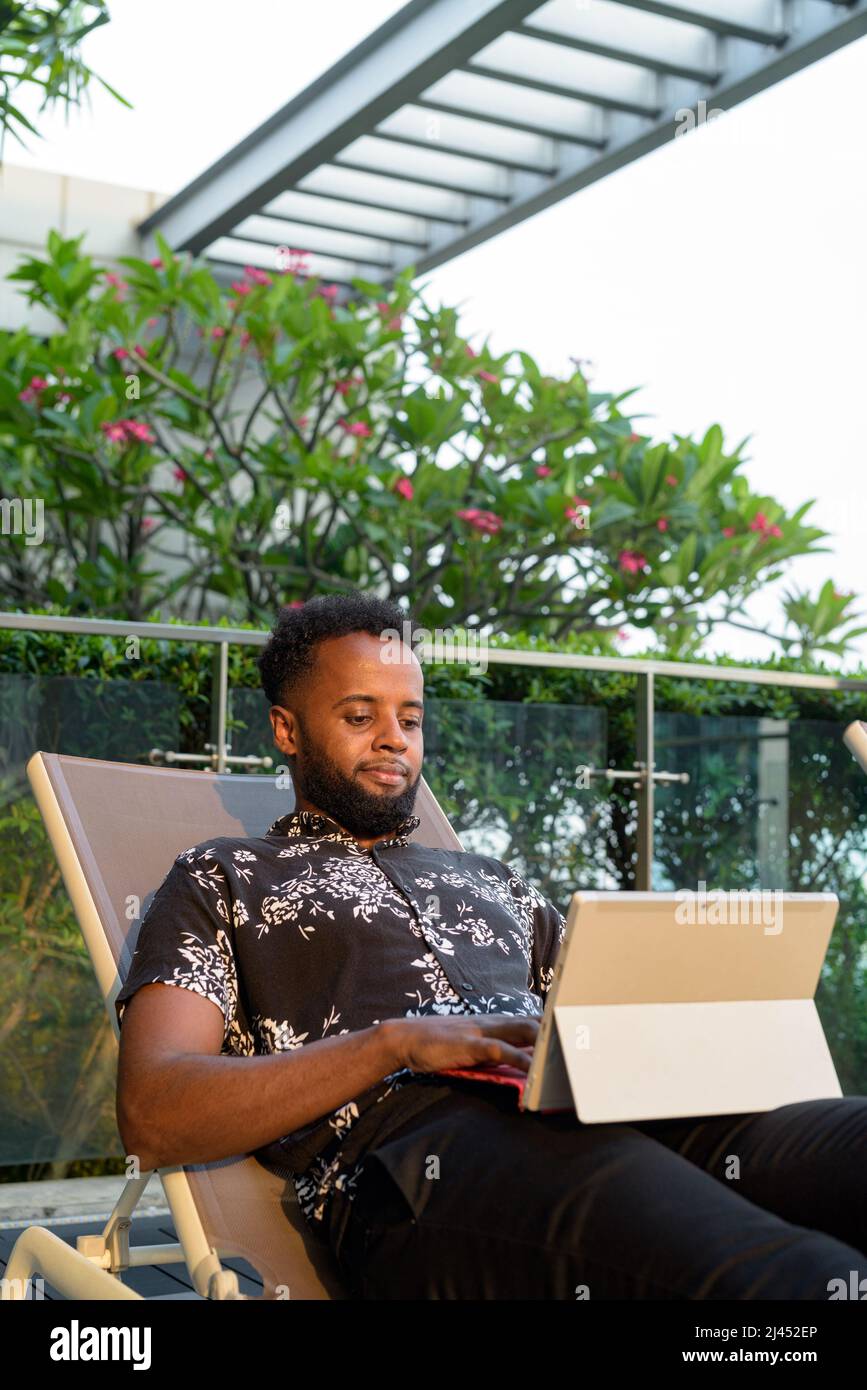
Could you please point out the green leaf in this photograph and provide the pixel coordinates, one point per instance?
(686, 558)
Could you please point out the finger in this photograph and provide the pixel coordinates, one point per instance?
(497, 1053)
(503, 1026)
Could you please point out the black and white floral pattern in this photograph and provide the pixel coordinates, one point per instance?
(301, 934)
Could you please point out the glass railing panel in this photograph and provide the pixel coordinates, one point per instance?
(58, 1057)
(773, 804)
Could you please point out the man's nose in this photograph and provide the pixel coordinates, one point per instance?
(390, 733)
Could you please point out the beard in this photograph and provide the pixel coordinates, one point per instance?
(363, 813)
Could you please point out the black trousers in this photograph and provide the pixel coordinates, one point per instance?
(462, 1196)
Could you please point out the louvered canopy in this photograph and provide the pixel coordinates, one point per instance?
(459, 118)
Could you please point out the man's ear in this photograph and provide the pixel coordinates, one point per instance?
(285, 726)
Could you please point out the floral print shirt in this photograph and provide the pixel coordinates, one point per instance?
(302, 934)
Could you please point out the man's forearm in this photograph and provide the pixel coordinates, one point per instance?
(196, 1108)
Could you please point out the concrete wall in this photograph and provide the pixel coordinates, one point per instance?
(32, 203)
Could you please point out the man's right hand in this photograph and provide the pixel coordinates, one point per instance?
(442, 1043)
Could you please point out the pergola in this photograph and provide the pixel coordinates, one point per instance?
(457, 119)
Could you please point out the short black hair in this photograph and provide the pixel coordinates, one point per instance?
(288, 658)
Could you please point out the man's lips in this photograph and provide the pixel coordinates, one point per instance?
(390, 776)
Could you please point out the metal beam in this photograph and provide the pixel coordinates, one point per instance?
(377, 205)
(727, 28)
(418, 46)
(823, 30)
(405, 64)
(438, 147)
(312, 224)
(329, 253)
(512, 122)
(556, 89)
(618, 55)
(442, 185)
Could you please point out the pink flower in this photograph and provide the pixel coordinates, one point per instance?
(404, 487)
(31, 391)
(487, 522)
(257, 276)
(728, 532)
(395, 321)
(471, 352)
(146, 523)
(303, 421)
(328, 292)
(296, 603)
(119, 285)
(114, 431)
(241, 287)
(157, 263)
(577, 512)
(622, 634)
(136, 430)
(208, 455)
(760, 523)
(631, 561)
(662, 524)
(152, 323)
(218, 332)
(671, 479)
(245, 340)
(123, 431)
(358, 427)
(349, 384)
(543, 470)
(120, 354)
(181, 474)
(297, 260)
(489, 376)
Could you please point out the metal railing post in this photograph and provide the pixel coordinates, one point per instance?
(220, 704)
(644, 711)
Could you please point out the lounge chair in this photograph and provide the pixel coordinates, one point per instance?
(116, 829)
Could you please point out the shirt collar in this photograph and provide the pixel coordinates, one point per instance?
(321, 827)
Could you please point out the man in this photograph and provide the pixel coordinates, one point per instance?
(300, 995)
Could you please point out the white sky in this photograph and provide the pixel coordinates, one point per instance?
(724, 274)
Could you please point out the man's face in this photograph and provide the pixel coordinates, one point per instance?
(359, 712)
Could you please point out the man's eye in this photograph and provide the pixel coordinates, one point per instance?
(356, 718)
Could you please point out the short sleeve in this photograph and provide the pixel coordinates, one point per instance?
(549, 933)
(184, 938)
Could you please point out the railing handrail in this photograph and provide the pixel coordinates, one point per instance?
(459, 653)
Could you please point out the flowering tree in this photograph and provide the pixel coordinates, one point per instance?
(203, 451)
